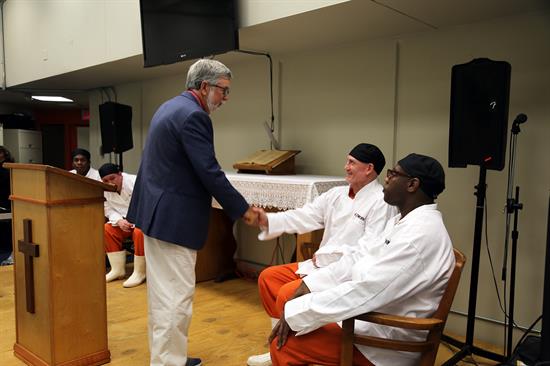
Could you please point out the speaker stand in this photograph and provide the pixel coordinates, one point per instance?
(120, 166)
(467, 348)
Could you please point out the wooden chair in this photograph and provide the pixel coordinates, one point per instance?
(433, 325)
(308, 249)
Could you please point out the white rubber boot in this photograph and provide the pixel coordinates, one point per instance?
(138, 276)
(118, 266)
(265, 358)
(259, 360)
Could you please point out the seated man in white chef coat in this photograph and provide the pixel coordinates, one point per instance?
(403, 271)
(346, 213)
(118, 228)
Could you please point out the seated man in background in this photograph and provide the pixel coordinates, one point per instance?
(6, 256)
(403, 271)
(82, 164)
(118, 228)
(346, 213)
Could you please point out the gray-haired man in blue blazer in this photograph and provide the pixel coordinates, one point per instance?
(171, 202)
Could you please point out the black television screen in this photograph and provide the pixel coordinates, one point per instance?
(178, 30)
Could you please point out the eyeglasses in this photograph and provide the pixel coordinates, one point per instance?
(225, 89)
(394, 173)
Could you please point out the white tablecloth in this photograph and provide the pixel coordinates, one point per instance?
(281, 191)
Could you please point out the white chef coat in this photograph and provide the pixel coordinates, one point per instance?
(92, 174)
(404, 271)
(116, 205)
(344, 219)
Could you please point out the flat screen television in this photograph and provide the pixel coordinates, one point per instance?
(178, 30)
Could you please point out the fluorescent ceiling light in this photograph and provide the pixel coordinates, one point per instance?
(45, 98)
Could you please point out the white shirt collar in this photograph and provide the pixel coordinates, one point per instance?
(368, 189)
(417, 211)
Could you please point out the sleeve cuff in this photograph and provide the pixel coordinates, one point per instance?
(296, 315)
(319, 280)
(113, 219)
(275, 227)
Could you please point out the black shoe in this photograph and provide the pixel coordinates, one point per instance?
(193, 361)
(226, 277)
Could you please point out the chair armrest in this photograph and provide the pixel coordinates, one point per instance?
(401, 321)
(407, 346)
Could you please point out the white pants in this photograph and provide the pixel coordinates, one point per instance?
(170, 289)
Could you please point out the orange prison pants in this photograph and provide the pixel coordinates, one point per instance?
(322, 346)
(276, 285)
(114, 237)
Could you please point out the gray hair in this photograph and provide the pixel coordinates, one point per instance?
(206, 70)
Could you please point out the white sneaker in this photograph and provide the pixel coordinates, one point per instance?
(259, 360)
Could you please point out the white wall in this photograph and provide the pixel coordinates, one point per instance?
(254, 12)
(394, 93)
(333, 99)
(46, 38)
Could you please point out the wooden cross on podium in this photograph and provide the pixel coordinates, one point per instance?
(30, 250)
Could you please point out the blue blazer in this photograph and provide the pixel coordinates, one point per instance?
(178, 176)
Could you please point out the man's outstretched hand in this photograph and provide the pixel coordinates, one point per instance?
(250, 217)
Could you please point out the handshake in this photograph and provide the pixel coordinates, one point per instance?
(256, 216)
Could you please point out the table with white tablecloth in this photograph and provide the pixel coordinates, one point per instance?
(279, 193)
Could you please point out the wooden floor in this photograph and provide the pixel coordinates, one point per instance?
(229, 324)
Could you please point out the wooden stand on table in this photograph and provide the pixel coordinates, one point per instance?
(268, 162)
(59, 269)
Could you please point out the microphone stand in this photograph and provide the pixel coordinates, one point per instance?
(512, 207)
(120, 162)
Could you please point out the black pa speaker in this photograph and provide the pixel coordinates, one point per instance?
(480, 93)
(116, 127)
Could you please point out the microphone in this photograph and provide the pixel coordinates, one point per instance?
(521, 118)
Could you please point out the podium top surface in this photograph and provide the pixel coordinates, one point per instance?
(268, 161)
(58, 171)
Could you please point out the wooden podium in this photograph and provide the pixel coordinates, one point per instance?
(59, 270)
